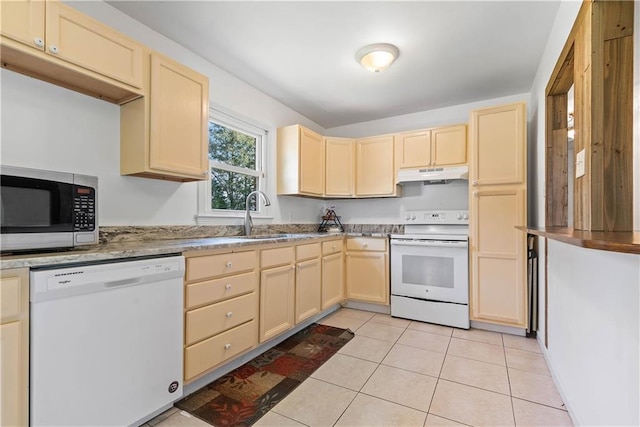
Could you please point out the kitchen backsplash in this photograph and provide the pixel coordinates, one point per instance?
(118, 234)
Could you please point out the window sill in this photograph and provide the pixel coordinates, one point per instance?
(231, 219)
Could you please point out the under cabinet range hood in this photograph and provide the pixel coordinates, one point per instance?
(433, 175)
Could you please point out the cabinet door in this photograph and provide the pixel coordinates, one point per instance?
(332, 280)
(375, 171)
(12, 386)
(81, 40)
(23, 21)
(339, 167)
(449, 145)
(308, 291)
(498, 145)
(367, 276)
(414, 149)
(276, 301)
(498, 256)
(14, 347)
(178, 119)
(311, 162)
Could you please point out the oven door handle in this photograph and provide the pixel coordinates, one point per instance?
(430, 243)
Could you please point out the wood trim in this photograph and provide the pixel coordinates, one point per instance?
(612, 241)
(618, 135)
(557, 179)
(599, 55)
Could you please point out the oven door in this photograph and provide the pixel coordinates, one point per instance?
(430, 270)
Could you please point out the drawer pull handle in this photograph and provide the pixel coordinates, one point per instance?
(227, 346)
(228, 286)
(229, 314)
(229, 264)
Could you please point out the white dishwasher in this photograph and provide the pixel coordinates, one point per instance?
(106, 341)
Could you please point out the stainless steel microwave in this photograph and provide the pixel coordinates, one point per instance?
(45, 209)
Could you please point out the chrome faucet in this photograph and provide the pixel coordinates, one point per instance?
(248, 223)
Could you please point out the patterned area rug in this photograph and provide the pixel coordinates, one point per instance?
(244, 395)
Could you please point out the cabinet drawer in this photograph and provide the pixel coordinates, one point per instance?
(332, 247)
(9, 299)
(204, 267)
(201, 293)
(276, 256)
(205, 355)
(312, 250)
(366, 244)
(213, 319)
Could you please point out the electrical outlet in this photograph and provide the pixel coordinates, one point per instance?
(580, 163)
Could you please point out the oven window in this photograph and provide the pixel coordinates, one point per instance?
(427, 271)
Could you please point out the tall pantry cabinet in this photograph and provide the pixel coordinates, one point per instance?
(497, 250)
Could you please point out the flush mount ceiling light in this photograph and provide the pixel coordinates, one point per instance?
(377, 57)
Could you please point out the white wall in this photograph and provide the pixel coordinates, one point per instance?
(594, 333)
(593, 295)
(48, 127)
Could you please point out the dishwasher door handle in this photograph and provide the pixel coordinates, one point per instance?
(123, 282)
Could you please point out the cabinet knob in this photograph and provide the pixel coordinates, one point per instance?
(333, 247)
(53, 49)
(475, 194)
(229, 314)
(227, 346)
(475, 182)
(366, 245)
(293, 267)
(205, 173)
(229, 264)
(38, 42)
(228, 286)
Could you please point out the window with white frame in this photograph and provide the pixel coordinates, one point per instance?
(236, 165)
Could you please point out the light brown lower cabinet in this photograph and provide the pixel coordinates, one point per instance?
(277, 291)
(498, 255)
(308, 281)
(14, 347)
(367, 264)
(332, 273)
(221, 309)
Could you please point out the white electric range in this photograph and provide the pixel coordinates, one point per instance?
(430, 268)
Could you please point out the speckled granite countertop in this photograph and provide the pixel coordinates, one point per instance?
(139, 248)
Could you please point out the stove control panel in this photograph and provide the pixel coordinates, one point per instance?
(446, 217)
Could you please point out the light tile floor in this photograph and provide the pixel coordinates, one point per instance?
(396, 372)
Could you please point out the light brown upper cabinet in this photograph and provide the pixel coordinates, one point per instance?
(413, 149)
(498, 145)
(375, 167)
(339, 167)
(445, 145)
(54, 42)
(300, 162)
(497, 250)
(164, 135)
(449, 145)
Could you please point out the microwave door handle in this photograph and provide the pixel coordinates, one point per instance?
(430, 243)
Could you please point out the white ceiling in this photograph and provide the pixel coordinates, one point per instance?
(303, 53)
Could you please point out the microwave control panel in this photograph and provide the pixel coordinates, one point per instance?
(84, 208)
